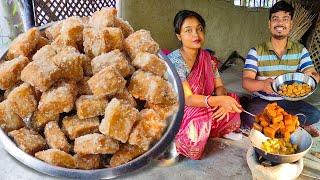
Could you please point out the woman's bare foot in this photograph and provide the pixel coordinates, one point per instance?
(312, 130)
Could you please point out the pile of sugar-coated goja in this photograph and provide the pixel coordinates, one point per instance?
(87, 93)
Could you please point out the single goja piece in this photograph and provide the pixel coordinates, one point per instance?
(103, 18)
(40, 119)
(115, 59)
(59, 98)
(124, 26)
(156, 91)
(41, 74)
(88, 161)
(56, 157)
(108, 81)
(125, 154)
(10, 72)
(75, 127)
(150, 63)
(148, 130)
(140, 41)
(90, 106)
(95, 144)
(9, 120)
(28, 140)
(55, 137)
(24, 44)
(118, 120)
(22, 100)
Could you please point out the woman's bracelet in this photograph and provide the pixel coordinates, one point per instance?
(206, 101)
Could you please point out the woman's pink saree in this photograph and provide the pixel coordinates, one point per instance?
(197, 124)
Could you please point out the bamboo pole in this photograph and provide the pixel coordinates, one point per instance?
(302, 21)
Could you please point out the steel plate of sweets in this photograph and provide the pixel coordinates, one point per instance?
(294, 86)
(88, 98)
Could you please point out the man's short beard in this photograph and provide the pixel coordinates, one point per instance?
(279, 37)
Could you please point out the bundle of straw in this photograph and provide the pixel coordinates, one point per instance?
(314, 47)
(302, 20)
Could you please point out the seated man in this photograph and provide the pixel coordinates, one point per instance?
(277, 56)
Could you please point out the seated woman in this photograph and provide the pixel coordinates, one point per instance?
(209, 110)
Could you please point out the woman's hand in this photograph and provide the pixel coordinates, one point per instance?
(224, 105)
(220, 91)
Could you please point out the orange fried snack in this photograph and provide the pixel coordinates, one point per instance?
(257, 126)
(108, 81)
(275, 122)
(103, 18)
(90, 106)
(24, 44)
(140, 41)
(149, 129)
(22, 100)
(268, 131)
(95, 144)
(27, 140)
(156, 91)
(150, 63)
(40, 119)
(89, 161)
(9, 120)
(10, 72)
(113, 58)
(125, 154)
(124, 26)
(41, 74)
(56, 157)
(59, 98)
(75, 127)
(55, 137)
(118, 120)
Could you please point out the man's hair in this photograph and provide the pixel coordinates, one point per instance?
(182, 15)
(281, 6)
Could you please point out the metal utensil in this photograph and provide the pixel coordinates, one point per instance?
(300, 137)
(289, 78)
(249, 113)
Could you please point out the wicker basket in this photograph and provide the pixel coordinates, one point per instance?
(314, 47)
(46, 11)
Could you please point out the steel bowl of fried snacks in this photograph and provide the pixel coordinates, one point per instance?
(281, 151)
(294, 86)
(277, 136)
(88, 97)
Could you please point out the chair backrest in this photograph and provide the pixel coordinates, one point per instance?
(46, 11)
